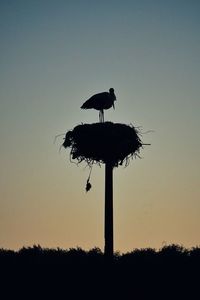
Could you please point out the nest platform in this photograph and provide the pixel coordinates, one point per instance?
(107, 142)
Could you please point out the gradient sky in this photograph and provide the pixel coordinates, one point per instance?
(56, 54)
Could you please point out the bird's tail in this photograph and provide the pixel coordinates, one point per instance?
(87, 104)
(83, 106)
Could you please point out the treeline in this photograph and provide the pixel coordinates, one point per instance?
(173, 272)
(36, 254)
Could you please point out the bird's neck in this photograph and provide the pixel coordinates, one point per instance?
(113, 95)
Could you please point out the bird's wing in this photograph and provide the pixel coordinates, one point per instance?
(87, 104)
(96, 101)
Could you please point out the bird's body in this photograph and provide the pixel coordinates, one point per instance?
(100, 102)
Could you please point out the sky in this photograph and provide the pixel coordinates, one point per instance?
(54, 55)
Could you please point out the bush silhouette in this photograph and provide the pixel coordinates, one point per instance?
(169, 273)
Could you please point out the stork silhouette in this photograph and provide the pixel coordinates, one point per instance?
(100, 102)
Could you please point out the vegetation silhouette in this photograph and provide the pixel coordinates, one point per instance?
(169, 273)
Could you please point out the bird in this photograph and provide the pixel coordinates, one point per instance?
(101, 101)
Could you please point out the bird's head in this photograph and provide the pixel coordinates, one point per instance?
(111, 91)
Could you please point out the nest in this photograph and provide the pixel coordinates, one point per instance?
(107, 142)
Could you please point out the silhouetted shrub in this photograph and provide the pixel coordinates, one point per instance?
(170, 273)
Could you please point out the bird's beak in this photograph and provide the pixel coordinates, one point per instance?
(113, 105)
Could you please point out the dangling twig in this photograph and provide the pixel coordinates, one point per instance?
(58, 136)
(88, 184)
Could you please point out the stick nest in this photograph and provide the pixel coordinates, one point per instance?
(107, 142)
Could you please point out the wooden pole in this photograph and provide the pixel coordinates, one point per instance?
(108, 234)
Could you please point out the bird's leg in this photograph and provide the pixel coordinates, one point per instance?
(100, 116)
